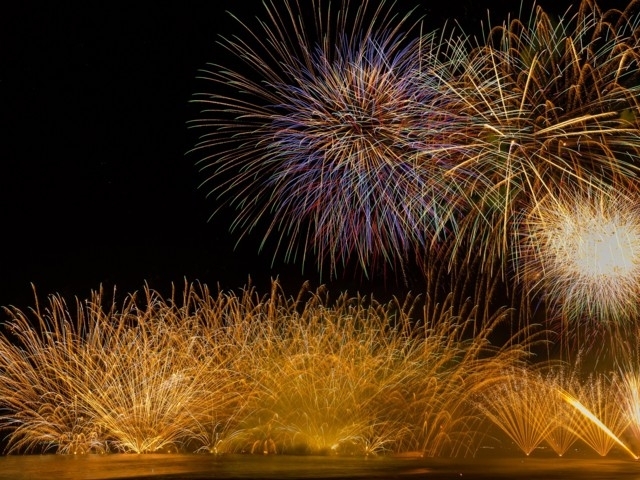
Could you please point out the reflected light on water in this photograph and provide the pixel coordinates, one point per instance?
(195, 466)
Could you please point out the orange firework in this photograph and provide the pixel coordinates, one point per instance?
(227, 373)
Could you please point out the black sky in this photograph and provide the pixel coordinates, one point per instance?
(96, 186)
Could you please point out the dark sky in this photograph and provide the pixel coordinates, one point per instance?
(96, 186)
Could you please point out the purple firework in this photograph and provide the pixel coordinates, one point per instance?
(332, 141)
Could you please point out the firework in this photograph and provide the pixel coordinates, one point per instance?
(559, 408)
(628, 382)
(543, 105)
(333, 139)
(630, 396)
(520, 406)
(562, 435)
(137, 379)
(359, 377)
(348, 138)
(603, 420)
(581, 254)
(38, 379)
(457, 371)
(245, 373)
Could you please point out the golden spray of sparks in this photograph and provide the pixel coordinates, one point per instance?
(596, 421)
(248, 373)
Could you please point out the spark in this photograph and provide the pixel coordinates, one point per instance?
(582, 251)
(596, 421)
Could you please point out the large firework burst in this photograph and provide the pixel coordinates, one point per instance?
(327, 140)
(547, 105)
(582, 253)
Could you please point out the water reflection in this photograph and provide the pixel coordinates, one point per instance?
(180, 466)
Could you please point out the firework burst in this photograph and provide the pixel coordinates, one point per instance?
(135, 379)
(581, 252)
(329, 141)
(544, 105)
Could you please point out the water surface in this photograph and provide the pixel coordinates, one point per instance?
(183, 466)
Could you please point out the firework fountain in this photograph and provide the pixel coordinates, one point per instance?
(229, 373)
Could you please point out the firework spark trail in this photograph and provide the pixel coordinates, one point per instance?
(594, 431)
(556, 406)
(630, 395)
(354, 379)
(520, 406)
(334, 143)
(462, 363)
(548, 105)
(628, 381)
(121, 380)
(38, 379)
(242, 372)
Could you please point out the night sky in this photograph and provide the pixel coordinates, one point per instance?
(97, 188)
